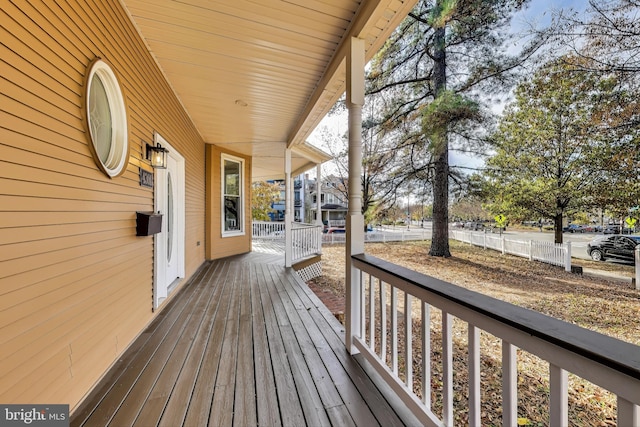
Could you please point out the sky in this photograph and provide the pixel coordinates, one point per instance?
(538, 12)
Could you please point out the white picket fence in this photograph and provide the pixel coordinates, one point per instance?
(550, 253)
(380, 237)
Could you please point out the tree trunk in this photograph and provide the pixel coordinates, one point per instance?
(557, 228)
(440, 239)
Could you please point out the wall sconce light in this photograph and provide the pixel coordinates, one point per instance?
(157, 156)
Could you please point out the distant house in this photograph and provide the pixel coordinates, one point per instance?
(302, 189)
(332, 199)
(334, 202)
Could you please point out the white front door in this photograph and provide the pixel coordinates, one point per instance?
(169, 243)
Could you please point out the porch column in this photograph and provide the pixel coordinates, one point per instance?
(319, 194)
(288, 209)
(355, 219)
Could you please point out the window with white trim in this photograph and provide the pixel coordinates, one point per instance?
(232, 196)
(107, 119)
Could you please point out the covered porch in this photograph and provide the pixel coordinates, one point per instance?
(244, 343)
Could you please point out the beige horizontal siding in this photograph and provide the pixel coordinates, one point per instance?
(57, 330)
(75, 281)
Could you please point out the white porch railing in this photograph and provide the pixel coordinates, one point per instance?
(387, 290)
(306, 240)
(267, 230)
(550, 253)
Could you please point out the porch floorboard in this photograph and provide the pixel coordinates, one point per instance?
(245, 343)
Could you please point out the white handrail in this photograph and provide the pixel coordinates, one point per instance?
(599, 359)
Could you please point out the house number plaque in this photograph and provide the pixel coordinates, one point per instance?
(146, 178)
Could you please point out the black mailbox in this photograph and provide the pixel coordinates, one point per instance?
(148, 223)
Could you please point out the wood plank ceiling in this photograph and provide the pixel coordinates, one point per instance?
(256, 76)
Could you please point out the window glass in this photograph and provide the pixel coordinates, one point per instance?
(100, 119)
(232, 211)
(106, 119)
(232, 177)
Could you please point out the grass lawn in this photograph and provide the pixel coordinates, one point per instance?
(608, 307)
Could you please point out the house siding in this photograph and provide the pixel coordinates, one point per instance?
(218, 246)
(75, 281)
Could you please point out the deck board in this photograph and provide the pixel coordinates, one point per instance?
(289, 403)
(245, 411)
(199, 405)
(323, 381)
(221, 413)
(267, 403)
(175, 411)
(245, 343)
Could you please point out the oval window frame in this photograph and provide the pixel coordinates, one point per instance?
(118, 156)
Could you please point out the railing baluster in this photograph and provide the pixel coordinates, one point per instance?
(558, 396)
(383, 322)
(394, 331)
(426, 354)
(408, 344)
(372, 315)
(628, 413)
(509, 385)
(363, 311)
(447, 369)
(474, 376)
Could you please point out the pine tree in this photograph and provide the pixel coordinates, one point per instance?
(441, 69)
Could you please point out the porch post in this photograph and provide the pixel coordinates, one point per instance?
(355, 219)
(319, 194)
(288, 211)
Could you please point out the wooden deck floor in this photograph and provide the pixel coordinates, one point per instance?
(245, 343)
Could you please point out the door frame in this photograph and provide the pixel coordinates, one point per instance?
(161, 288)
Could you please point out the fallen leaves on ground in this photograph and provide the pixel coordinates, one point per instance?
(607, 307)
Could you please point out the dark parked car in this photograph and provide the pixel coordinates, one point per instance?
(616, 229)
(573, 228)
(472, 225)
(616, 246)
(611, 229)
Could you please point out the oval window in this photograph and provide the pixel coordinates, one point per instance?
(107, 119)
